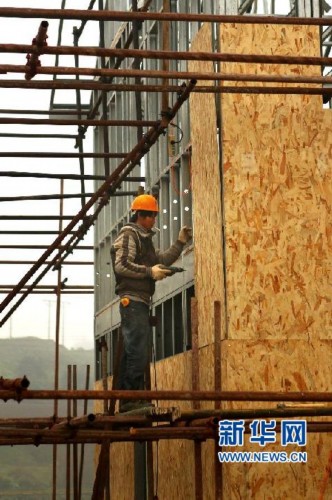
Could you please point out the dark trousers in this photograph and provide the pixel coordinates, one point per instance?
(136, 332)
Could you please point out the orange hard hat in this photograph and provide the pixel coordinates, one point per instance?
(145, 202)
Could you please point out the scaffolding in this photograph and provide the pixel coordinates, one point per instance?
(124, 167)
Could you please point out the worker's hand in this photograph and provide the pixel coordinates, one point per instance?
(159, 273)
(185, 234)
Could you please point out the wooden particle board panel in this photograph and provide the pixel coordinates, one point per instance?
(121, 460)
(277, 173)
(122, 474)
(174, 459)
(276, 365)
(206, 188)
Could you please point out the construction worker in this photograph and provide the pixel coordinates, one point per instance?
(137, 266)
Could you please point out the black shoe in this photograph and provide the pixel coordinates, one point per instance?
(134, 405)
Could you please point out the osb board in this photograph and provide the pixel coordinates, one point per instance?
(121, 460)
(207, 214)
(122, 479)
(278, 365)
(277, 173)
(174, 458)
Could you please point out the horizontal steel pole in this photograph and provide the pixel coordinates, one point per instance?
(212, 416)
(176, 75)
(48, 292)
(38, 247)
(40, 136)
(37, 154)
(74, 84)
(29, 422)
(35, 217)
(171, 395)
(111, 15)
(123, 436)
(67, 263)
(94, 123)
(31, 232)
(173, 55)
(7, 173)
(59, 196)
(152, 433)
(45, 287)
(39, 111)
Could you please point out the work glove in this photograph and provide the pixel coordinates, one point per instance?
(159, 273)
(185, 234)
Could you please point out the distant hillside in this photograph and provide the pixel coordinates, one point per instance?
(34, 358)
(26, 471)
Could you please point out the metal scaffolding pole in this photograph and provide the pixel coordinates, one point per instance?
(312, 396)
(167, 75)
(59, 196)
(170, 88)
(30, 262)
(64, 176)
(38, 111)
(176, 55)
(94, 123)
(28, 154)
(112, 15)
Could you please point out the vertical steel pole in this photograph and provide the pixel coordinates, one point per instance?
(75, 456)
(69, 415)
(57, 337)
(85, 412)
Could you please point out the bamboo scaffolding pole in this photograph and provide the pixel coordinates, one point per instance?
(172, 395)
(73, 84)
(93, 123)
(175, 55)
(165, 75)
(111, 15)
